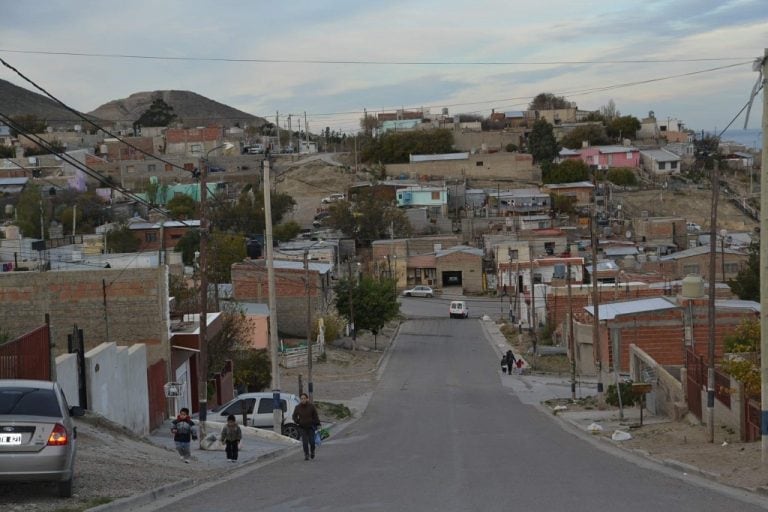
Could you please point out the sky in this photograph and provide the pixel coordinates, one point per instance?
(333, 60)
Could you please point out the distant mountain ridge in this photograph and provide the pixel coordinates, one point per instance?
(191, 109)
(18, 101)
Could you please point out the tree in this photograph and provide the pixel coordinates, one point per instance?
(609, 112)
(122, 239)
(569, 171)
(374, 302)
(548, 101)
(159, 113)
(286, 231)
(396, 147)
(7, 152)
(593, 134)
(745, 367)
(188, 245)
(28, 210)
(622, 177)
(224, 250)
(27, 123)
(511, 148)
(746, 284)
(54, 146)
(246, 215)
(563, 204)
(182, 207)
(369, 219)
(541, 142)
(368, 124)
(232, 338)
(623, 127)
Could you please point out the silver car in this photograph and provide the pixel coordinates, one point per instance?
(37, 434)
(419, 291)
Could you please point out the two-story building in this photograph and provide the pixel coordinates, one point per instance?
(435, 199)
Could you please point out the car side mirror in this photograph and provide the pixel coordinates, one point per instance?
(76, 410)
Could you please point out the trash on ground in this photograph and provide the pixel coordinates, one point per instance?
(594, 428)
(620, 435)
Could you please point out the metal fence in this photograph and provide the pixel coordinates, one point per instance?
(28, 356)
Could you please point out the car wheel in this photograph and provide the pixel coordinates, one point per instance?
(407, 294)
(291, 431)
(65, 488)
(429, 295)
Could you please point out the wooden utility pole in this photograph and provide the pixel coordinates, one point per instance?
(764, 273)
(571, 344)
(308, 292)
(596, 302)
(202, 367)
(277, 410)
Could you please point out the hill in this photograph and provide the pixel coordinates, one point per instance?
(16, 101)
(191, 108)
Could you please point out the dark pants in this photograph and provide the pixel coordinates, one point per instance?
(308, 440)
(231, 447)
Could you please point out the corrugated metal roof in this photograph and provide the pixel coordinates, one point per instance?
(621, 251)
(661, 155)
(696, 251)
(738, 304)
(253, 308)
(13, 181)
(444, 156)
(568, 152)
(459, 248)
(614, 309)
(616, 149)
(576, 184)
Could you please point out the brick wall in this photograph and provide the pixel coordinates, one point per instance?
(137, 306)
(249, 283)
(470, 266)
(509, 166)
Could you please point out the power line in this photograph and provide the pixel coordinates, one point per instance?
(367, 62)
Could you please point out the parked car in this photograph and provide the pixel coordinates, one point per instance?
(37, 434)
(419, 291)
(458, 309)
(258, 408)
(216, 169)
(333, 198)
(256, 149)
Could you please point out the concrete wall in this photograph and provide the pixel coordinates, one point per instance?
(136, 306)
(516, 167)
(66, 376)
(495, 141)
(117, 385)
(668, 396)
(470, 266)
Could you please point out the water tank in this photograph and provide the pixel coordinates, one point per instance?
(693, 286)
(641, 258)
(12, 232)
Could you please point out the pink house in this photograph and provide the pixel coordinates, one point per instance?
(607, 157)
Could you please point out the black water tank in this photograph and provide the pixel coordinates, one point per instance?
(253, 249)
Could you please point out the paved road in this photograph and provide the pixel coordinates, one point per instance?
(443, 433)
(422, 307)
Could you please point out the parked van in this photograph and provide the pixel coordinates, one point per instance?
(458, 309)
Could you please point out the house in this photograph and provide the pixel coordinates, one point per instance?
(164, 235)
(728, 263)
(609, 157)
(129, 148)
(433, 198)
(740, 160)
(525, 201)
(660, 162)
(13, 185)
(581, 191)
(568, 154)
(455, 266)
(193, 141)
(662, 233)
(293, 291)
(389, 257)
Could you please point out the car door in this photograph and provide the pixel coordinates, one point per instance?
(263, 417)
(236, 408)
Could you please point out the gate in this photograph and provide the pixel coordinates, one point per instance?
(28, 356)
(695, 381)
(752, 420)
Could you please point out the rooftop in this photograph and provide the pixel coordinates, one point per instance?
(611, 311)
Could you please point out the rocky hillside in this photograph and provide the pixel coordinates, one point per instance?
(192, 109)
(17, 101)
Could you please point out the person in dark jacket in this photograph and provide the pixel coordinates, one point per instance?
(305, 416)
(510, 361)
(231, 435)
(183, 430)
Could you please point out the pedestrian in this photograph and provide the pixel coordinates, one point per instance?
(504, 365)
(231, 435)
(305, 416)
(184, 431)
(510, 358)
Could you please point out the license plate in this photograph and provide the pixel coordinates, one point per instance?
(10, 439)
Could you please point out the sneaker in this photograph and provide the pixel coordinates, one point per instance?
(312, 455)
(306, 457)
(186, 461)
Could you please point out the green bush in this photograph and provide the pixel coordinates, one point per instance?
(628, 397)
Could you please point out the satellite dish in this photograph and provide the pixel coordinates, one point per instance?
(628, 235)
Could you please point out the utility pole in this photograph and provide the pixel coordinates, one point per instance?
(277, 410)
(351, 305)
(596, 303)
(306, 130)
(571, 344)
(534, 322)
(202, 367)
(764, 274)
(711, 303)
(290, 132)
(308, 293)
(277, 128)
(74, 220)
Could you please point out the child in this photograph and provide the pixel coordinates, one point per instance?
(504, 365)
(183, 431)
(519, 363)
(231, 436)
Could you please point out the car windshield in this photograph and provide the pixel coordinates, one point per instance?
(28, 402)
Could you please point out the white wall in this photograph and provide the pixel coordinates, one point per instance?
(117, 385)
(66, 376)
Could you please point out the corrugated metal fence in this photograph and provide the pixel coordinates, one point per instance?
(28, 356)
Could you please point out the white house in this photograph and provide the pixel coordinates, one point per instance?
(660, 162)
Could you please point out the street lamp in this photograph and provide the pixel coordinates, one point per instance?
(202, 367)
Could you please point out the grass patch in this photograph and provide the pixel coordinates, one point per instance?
(335, 411)
(556, 364)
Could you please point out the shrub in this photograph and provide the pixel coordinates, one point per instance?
(628, 396)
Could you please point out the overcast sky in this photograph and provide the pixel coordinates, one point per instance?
(470, 56)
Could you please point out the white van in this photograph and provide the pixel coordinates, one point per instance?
(458, 309)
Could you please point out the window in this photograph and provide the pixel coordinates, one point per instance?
(29, 402)
(435, 196)
(513, 254)
(536, 278)
(662, 166)
(479, 163)
(237, 407)
(266, 406)
(195, 148)
(549, 248)
(690, 269)
(151, 168)
(150, 237)
(430, 273)
(731, 268)
(673, 165)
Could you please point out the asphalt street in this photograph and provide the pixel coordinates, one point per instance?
(443, 432)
